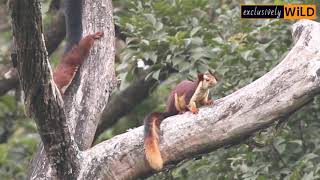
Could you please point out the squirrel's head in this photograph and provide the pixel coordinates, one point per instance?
(209, 79)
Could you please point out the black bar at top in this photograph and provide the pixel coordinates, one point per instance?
(262, 11)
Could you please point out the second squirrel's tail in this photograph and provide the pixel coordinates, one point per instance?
(151, 139)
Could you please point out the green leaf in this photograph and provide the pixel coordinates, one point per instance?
(246, 54)
(299, 142)
(151, 19)
(197, 41)
(194, 30)
(146, 42)
(177, 60)
(129, 27)
(180, 35)
(156, 74)
(3, 153)
(309, 176)
(158, 26)
(183, 66)
(310, 156)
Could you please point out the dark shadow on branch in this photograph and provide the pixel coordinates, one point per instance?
(124, 102)
(7, 84)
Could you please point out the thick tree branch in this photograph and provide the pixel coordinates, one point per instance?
(89, 92)
(85, 102)
(7, 84)
(287, 87)
(42, 101)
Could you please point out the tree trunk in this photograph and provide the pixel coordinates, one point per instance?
(41, 99)
(68, 126)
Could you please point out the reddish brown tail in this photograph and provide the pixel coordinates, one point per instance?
(151, 139)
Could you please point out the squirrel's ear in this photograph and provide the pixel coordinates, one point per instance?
(211, 72)
(200, 76)
(214, 74)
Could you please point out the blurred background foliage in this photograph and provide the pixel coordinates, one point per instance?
(175, 39)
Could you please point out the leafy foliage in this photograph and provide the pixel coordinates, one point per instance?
(191, 36)
(179, 38)
(18, 137)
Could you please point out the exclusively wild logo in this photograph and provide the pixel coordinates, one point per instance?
(289, 11)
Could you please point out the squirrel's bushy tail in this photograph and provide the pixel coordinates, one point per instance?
(151, 139)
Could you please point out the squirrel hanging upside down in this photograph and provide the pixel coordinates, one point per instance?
(185, 96)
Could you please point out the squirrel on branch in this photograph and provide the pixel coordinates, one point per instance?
(185, 96)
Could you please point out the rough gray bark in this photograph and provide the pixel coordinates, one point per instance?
(85, 102)
(54, 34)
(41, 98)
(292, 83)
(89, 92)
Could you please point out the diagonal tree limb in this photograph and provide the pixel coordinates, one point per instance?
(7, 84)
(84, 102)
(292, 83)
(41, 98)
